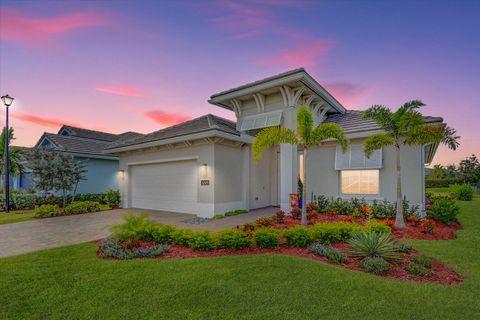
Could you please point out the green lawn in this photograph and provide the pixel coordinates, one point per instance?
(16, 216)
(71, 283)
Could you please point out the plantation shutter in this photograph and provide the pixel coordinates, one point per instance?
(355, 158)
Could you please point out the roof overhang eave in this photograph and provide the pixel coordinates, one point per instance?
(189, 137)
(301, 75)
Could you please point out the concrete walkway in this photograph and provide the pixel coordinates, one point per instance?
(28, 236)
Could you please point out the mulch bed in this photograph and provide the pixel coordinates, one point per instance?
(441, 274)
(441, 231)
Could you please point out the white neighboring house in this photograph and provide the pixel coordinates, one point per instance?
(204, 166)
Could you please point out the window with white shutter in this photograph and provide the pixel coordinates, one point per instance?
(355, 158)
(263, 120)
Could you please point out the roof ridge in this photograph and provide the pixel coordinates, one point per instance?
(176, 125)
(77, 138)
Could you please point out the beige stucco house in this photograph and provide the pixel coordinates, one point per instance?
(204, 166)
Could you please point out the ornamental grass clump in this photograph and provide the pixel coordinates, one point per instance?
(372, 244)
(328, 252)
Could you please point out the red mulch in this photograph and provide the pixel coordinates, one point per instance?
(441, 231)
(441, 273)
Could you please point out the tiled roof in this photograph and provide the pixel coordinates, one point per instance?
(197, 125)
(90, 134)
(352, 121)
(251, 84)
(77, 144)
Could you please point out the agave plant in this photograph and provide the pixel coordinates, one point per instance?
(373, 244)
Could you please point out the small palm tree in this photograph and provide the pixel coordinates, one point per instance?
(406, 126)
(14, 156)
(307, 135)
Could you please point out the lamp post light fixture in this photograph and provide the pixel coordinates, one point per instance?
(7, 101)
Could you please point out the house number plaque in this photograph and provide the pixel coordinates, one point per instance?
(205, 182)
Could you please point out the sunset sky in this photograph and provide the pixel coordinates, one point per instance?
(142, 65)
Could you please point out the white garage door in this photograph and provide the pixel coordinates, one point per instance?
(169, 186)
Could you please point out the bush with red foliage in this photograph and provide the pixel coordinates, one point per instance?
(427, 225)
(312, 207)
(264, 221)
(414, 219)
(311, 215)
(296, 213)
(279, 216)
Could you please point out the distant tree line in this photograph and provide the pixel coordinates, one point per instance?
(467, 171)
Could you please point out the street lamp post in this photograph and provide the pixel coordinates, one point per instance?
(7, 101)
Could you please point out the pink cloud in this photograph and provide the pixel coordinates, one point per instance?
(121, 90)
(349, 94)
(304, 54)
(20, 28)
(166, 118)
(41, 121)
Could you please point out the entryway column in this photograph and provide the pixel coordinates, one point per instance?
(288, 174)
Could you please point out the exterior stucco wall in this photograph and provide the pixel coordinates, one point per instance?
(323, 179)
(101, 175)
(263, 180)
(228, 184)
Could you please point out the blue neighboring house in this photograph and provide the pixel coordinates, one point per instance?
(88, 146)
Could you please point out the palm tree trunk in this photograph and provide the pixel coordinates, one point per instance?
(399, 221)
(304, 191)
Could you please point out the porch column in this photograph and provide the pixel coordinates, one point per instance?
(288, 174)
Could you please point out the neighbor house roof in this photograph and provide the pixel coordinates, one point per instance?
(86, 133)
(204, 123)
(352, 121)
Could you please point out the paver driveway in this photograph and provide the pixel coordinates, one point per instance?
(28, 236)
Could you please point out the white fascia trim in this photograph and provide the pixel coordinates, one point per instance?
(300, 76)
(368, 197)
(162, 161)
(93, 156)
(189, 137)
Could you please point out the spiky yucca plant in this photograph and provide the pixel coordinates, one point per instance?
(307, 135)
(406, 126)
(372, 244)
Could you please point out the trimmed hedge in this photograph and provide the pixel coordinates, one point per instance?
(78, 207)
(443, 183)
(47, 210)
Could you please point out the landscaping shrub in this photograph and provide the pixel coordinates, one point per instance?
(232, 239)
(444, 210)
(137, 227)
(20, 200)
(298, 236)
(373, 244)
(377, 226)
(296, 213)
(264, 221)
(312, 207)
(202, 241)
(279, 216)
(331, 232)
(462, 192)
(323, 203)
(328, 252)
(418, 270)
(249, 227)
(47, 210)
(422, 260)
(375, 265)
(427, 225)
(402, 246)
(163, 234)
(82, 207)
(441, 183)
(414, 219)
(112, 198)
(181, 237)
(266, 238)
(115, 248)
(339, 206)
(383, 209)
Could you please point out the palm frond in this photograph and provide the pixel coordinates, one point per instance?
(376, 142)
(408, 121)
(329, 131)
(410, 106)
(382, 116)
(269, 137)
(304, 124)
(433, 134)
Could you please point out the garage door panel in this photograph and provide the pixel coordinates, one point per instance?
(168, 186)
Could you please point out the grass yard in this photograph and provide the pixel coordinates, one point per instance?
(16, 216)
(71, 283)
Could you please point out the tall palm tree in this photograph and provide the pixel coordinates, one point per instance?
(406, 126)
(14, 154)
(307, 135)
